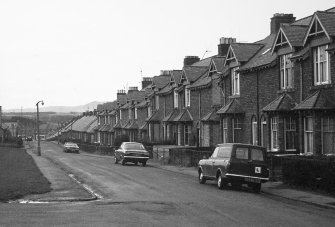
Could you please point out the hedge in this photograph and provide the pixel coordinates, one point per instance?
(311, 172)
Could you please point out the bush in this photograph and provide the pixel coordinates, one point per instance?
(310, 172)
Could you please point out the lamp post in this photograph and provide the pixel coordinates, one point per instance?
(38, 130)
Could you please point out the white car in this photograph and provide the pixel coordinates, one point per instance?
(71, 147)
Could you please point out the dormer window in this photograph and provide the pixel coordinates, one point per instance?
(157, 102)
(316, 28)
(286, 72)
(235, 79)
(212, 70)
(321, 65)
(175, 99)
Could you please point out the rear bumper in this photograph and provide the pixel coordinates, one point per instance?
(135, 159)
(246, 178)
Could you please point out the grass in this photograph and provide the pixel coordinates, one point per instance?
(19, 175)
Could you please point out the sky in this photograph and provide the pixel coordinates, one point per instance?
(72, 52)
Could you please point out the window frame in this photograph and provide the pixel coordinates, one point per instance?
(187, 97)
(286, 67)
(308, 132)
(274, 133)
(317, 66)
(175, 98)
(235, 81)
(292, 123)
(254, 131)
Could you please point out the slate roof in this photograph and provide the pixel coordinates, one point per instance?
(143, 127)
(160, 81)
(184, 116)
(244, 51)
(82, 123)
(171, 116)
(176, 74)
(327, 19)
(157, 116)
(303, 53)
(192, 73)
(282, 103)
(317, 101)
(212, 116)
(263, 56)
(203, 82)
(219, 62)
(295, 34)
(132, 125)
(203, 63)
(118, 125)
(142, 104)
(91, 127)
(166, 90)
(233, 107)
(136, 95)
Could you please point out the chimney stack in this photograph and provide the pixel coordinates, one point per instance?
(146, 82)
(190, 60)
(280, 18)
(121, 97)
(224, 45)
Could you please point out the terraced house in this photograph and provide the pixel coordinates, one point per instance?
(277, 92)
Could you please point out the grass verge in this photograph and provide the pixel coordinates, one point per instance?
(19, 175)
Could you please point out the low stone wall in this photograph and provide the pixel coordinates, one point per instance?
(91, 148)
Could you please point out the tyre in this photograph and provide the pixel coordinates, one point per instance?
(202, 179)
(144, 164)
(220, 182)
(115, 160)
(123, 162)
(257, 187)
(136, 163)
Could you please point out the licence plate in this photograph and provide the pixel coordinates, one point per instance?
(253, 180)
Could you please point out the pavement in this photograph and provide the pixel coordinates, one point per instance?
(66, 188)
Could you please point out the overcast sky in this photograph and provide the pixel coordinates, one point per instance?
(73, 52)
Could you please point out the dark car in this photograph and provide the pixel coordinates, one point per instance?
(236, 164)
(29, 138)
(131, 152)
(71, 147)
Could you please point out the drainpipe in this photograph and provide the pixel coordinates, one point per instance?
(257, 109)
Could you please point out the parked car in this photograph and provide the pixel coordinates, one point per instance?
(131, 152)
(236, 164)
(29, 138)
(71, 147)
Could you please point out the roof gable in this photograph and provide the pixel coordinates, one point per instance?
(316, 28)
(281, 40)
(230, 56)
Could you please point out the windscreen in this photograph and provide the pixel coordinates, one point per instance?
(133, 146)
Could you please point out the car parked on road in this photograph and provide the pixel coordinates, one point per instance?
(131, 152)
(71, 147)
(236, 164)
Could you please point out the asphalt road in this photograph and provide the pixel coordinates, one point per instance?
(149, 196)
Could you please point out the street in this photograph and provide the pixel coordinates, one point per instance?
(150, 196)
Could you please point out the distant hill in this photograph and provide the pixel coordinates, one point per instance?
(60, 109)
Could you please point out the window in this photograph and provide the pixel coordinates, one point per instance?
(149, 111)
(225, 130)
(286, 72)
(254, 127)
(175, 100)
(186, 135)
(242, 153)
(120, 115)
(290, 131)
(309, 137)
(187, 97)
(157, 102)
(263, 130)
(235, 78)
(129, 113)
(274, 134)
(223, 152)
(257, 155)
(321, 65)
(135, 112)
(116, 119)
(237, 126)
(328, 135)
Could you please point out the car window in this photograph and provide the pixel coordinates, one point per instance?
(215, 153)
(242, 153)
(224, 152)
(135, 146)
(257, 154)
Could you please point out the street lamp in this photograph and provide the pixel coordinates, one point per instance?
(38, 130)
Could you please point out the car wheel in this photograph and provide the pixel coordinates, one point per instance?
(123, 162)
(202, 179)
(144, 164)
(136, 163)
(257, 187)
(115, 160)
(220, 182)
